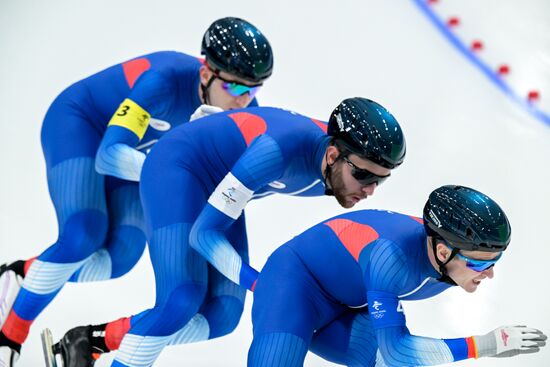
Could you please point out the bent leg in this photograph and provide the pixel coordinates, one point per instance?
(77, 193)
(225, 300)
(173, 199)
(349, 340)
(83, 225)
(181, 277)
(288, 307)
(125, 241)
(219, 314)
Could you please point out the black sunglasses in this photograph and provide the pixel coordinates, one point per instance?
(364, 176)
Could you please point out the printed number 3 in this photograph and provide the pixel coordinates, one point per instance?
(123, 110)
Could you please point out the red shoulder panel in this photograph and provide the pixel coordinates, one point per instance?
(250, 125)
(322, 125)
(134, 68)
(354, 236)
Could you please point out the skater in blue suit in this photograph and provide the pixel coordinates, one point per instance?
(336, 289)
(95, 138)
(194, 198)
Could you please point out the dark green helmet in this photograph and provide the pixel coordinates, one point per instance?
(239, 48)
(368, 130)
(466, 219)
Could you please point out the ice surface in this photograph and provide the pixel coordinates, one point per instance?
(460, 129)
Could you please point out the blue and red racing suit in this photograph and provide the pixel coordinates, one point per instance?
(195, 185)
(94, 137)
(336, 290)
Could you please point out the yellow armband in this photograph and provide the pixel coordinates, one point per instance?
(131, 116)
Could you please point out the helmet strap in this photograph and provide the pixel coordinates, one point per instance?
(205, 89)
(445, 278)
(328, 174)
(328, 190)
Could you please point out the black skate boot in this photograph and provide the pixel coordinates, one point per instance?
(74, 348)
(9, 351)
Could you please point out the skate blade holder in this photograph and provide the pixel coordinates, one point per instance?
(50, 349)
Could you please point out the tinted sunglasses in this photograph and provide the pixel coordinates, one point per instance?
(477, 265)
(364, 176)
(237, 89)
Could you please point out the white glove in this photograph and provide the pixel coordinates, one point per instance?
(508, 341)
(205, 110)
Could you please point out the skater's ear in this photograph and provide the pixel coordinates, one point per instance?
(442, 251)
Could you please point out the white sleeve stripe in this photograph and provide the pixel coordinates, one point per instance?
(230, 196)
(196, 330)
(141, 351)
(122, 161)
(47, 277)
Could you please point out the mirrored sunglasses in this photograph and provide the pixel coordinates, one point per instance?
(238, 89)
(476, 264)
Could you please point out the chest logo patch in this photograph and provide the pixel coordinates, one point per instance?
(377, 313)
(228, 196)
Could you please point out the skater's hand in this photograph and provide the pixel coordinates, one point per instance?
(508, 341)
(205, 110)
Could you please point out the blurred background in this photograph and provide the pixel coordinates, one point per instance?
(437, 65)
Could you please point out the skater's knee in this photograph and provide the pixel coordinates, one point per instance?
(123, 266)
(81, 235)
(180, 306)
(223, 314)
(125, 247)
(185, 298)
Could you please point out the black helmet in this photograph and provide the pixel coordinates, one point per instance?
(467, 219)
(237, 47)
(368, 130)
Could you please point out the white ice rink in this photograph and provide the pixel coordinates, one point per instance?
(460, 127)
